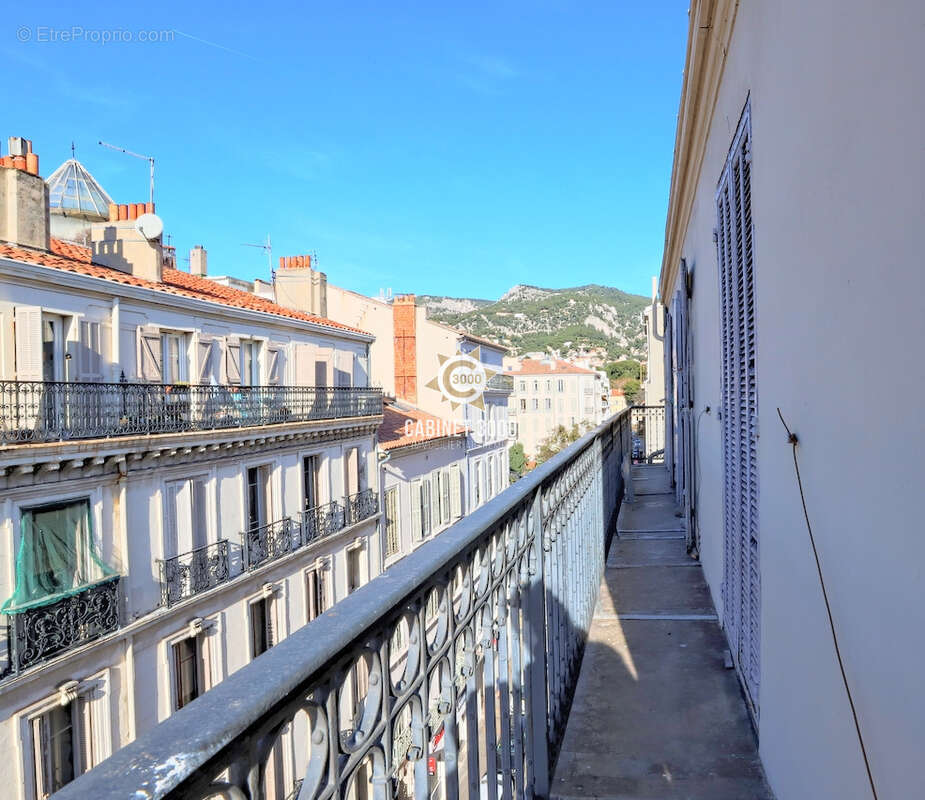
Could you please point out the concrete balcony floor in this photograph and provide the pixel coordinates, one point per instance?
(655, 713)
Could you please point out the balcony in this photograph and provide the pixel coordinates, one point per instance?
(500, 383)
(37, 634)
(458, 672)
(191, 573)
(361, 505)
(35, 411)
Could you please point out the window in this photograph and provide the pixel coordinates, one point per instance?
(258, 496)
(536, 386)
(455, 492)
(536, 404)
(316, 593)
(185, 516)
(445, 511)
(310, 482)
(561, 385)
(250, 363)
(352, 471)
(548, 404)
(523, 403)
(548, 385)
(392, 537)
(56, 554)
(61, 745)
(476, 483)
(188, 670)
(354, 573)
(491, 477)
(523, 386)
(261, 614)
(417, 510)
(173, 346)
(427, 522)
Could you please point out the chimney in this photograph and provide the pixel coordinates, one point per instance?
(24, 218)
(120, 245)
(299, 286)
(404, 327)
(197, 261)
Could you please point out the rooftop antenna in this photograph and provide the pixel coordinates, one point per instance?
(149, 159)
(73, 151)
(267, 248)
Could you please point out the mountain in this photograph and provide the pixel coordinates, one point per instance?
(530, 318)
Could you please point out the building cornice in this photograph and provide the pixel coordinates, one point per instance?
(709, 32)
(57, 278)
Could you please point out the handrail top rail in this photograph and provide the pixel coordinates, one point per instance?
(191, 552)
(186, 385)
(204, 727)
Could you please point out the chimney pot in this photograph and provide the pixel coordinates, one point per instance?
(282, 262)
(149, 208)
(123, 211)
(113, 212)
(198, 261)
(19, 162)
(32, 162)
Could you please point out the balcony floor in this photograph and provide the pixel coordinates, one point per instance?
(656, 714)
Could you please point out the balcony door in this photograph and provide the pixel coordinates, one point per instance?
(259, 497)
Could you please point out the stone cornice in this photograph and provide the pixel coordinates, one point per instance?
(709, 32)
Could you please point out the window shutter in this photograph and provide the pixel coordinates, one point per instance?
(150, 357)
(426, 513)
(455, 492)
(200, 533)
(741, 578)
(28, 321)
(435, 500)
(204, 349)
(445, 496)
(417, 531)
(233, 361)
(171, 534)
(90, 361)
(276, 361)
(361, 370)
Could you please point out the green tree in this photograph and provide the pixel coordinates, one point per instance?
(518, 461)
(628, 368)
(632, 390)
(558, 440)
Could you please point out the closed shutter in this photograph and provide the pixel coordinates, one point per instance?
(150, 356)
(445, 496)
(205, 347)
(741, 582)
(435, 500)
(426, 513)
(361, 370)
(304, 365)
(276, 361)
(28, 321)
(171, 532)
(344, 371)
(199, 514)
(90, 359)
(417, 531)
(455, 492)
(232, 361)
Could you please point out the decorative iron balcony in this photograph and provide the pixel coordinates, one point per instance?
(194, 572)
(489, 668)
(361, 505)
(36, 634)
(500, 383)
(35, 411)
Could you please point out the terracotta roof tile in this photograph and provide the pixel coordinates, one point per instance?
(76, 258)
(396, 417)
(556, 366)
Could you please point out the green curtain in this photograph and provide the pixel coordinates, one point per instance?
(56, 557)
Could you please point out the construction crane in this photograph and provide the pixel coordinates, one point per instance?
(149, 159)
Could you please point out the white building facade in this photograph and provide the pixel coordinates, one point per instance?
(794, 221)
(187, 475)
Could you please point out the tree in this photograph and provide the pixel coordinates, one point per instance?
(632, 390)
(628, 368)
(558, 440)
(518, 461)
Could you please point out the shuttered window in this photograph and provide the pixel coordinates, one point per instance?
(741, 583)
(392, 532)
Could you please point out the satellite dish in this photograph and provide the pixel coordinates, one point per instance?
(150, 226)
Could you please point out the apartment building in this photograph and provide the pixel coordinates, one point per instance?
(795, 217)
(187, 472)
(653, 387)
(549, 392)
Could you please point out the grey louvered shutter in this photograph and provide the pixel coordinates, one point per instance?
(417, 531)
(276, 364)
(742, 576)
(150, 357)
(90, 361)
(232, 361)
(204, 354)
(455, 492)
(28, 322)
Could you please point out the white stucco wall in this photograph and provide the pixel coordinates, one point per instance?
(837, 198)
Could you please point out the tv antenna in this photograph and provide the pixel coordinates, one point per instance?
(149, 159)
(267, 248)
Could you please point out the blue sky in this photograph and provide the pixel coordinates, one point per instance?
(436, 148)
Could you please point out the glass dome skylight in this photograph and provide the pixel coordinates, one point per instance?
(72, 188)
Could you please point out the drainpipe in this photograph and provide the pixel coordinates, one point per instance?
(383, 457)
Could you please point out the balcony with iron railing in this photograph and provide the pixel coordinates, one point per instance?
(36, 411)
(494, 615)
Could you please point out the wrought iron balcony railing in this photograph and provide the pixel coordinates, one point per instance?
(489, 668)
(37, 634)
(194, 572)
(500, 383)
(361, 505)
(36, 411)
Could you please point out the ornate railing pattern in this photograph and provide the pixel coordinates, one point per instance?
(515, 582)
(322, 521)
(500, 383)
(35, 411)
(271, 541)
(37, 634)
(361, 505)
(194, 572)
(648, 434)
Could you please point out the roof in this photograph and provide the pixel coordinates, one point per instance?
(76, 258)
(73, 188)
(548, 366)
(395, 422)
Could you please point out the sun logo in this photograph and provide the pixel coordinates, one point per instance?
(462, 378)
